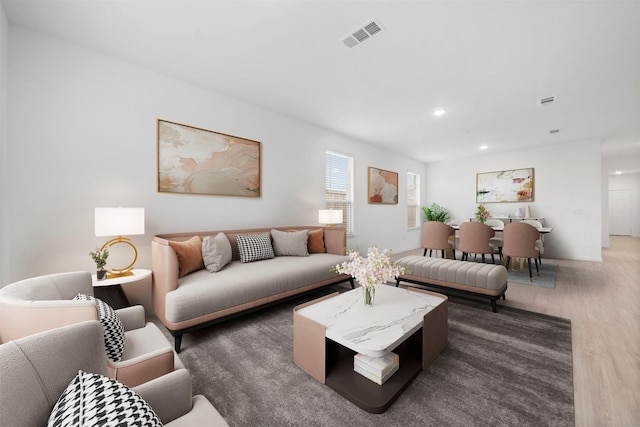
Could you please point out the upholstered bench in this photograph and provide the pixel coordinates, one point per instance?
(478, 279)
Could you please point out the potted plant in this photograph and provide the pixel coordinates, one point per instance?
(100, 256)
(435, 212)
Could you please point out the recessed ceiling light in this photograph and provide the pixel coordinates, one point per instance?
(484, 147)
(618, 172)
(439, 112)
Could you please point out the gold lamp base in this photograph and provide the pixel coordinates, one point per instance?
(121, 272)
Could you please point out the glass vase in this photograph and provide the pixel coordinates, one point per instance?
(368, 295)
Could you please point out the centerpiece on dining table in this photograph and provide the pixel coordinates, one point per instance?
(370, 271)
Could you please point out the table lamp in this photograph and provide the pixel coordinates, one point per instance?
(119, 222)
(330, 216)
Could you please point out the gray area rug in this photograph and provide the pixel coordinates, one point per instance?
(511, 368)
(546, 279)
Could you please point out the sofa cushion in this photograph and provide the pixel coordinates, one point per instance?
(189, 255)
(95, 400)
(113, 329)
(315, 243)
(216, 252)
(254, 247)
(290, 243)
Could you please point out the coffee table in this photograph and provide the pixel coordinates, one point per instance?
(329, 331)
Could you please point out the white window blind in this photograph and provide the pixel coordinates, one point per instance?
(339, 186)
(413, 200)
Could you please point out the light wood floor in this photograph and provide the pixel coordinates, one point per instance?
(602, 300)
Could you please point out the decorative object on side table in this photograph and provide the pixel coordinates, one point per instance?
(435, 212)
(371, 271)
(100, 256)
(482, 214)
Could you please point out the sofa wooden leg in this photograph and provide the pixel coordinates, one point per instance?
(352, 285)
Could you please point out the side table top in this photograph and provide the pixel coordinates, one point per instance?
(374, 331)
(138, 274)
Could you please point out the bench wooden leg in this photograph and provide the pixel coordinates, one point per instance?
(494, 307)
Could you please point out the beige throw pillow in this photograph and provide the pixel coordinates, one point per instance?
(216, 252)
(189, 255)
(290, 243)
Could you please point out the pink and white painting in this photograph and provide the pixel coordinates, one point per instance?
(199, 161)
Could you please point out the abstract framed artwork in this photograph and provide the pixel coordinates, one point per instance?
(382, 186)
(198, 161)
(513, 185)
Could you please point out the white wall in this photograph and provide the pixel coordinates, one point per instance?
(82, 135)
(567, 192)
(4, 54)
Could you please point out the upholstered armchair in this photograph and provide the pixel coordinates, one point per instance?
(474, 239)
(436, 235)
(45, 302)
(36, 370)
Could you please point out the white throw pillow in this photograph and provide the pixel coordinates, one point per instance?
(111, 324)
(216, 252)
(290, 243)
(95, 400)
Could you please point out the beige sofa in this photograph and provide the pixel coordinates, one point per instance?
(202, 298)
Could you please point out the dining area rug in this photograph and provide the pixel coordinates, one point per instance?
(501, 369)
(546, 279)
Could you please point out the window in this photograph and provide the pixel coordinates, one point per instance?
(413, 200)
(338, 186)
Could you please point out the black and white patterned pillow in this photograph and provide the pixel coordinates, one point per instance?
(254, 247)
(95, 400)
(111, 324)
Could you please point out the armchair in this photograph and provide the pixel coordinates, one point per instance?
(36, 370)
(45, 302)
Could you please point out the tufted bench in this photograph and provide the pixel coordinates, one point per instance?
(478, 279)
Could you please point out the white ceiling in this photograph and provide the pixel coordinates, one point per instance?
(488, 63)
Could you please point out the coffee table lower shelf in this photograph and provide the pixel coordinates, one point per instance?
(364, 393)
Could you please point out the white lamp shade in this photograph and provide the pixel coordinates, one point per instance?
(330, 216)
(119, 221)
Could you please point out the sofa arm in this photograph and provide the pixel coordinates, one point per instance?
(140, 369)
(168, 395)
(335, 240)
(132, 317)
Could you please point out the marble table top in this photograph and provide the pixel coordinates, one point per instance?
(373, 331)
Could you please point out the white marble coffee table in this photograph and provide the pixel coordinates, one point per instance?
(329, 331)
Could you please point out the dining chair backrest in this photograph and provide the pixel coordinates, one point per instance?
(520, 240)
(496, 224)
(474, 238)
(535, 223)
(435, 235)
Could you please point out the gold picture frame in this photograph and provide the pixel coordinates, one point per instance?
(382, 186)
(192, 160)
(511, 185)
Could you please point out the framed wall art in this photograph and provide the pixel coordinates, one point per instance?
(198, 161)
(382, 186)
(514, 185)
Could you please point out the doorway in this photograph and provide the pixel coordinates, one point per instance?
(620, 212)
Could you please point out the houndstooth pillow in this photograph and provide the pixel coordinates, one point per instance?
(254, 247)
(113, 329)
(95, 400)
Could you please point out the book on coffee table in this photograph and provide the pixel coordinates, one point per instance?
(377, 369)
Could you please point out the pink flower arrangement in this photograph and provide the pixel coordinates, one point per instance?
(371, 271)
(482, 214)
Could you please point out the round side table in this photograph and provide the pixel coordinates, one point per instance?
(110, 290)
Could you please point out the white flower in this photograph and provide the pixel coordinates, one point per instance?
(371, 271)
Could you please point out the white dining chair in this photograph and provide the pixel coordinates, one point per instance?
(498, 240)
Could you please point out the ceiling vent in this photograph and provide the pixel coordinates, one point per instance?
(554, 131)
(548, 100)
(362, 33)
